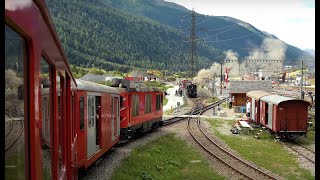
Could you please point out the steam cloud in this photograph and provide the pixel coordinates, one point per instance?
(270, 49)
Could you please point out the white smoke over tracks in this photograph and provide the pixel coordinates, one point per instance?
(270, 49)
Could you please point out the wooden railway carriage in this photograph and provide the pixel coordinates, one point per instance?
(97, 120)
(35, 64)
(141, 107)
(254, 98)
(287, 117)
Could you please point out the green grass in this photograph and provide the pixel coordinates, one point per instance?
(224, 105)
(264, 152)
(165, 101)
(212, 99)
(160, 85)
(17, 160)
(165, 158)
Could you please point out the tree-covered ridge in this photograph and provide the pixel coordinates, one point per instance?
(96, 35)
(170, 14)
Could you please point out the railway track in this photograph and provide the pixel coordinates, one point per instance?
(195, 110)
(242, 168)
(15, 128)
(301, 150)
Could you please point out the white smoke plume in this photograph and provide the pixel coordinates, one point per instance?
(270, 49)
(207, 74)
(232, 63)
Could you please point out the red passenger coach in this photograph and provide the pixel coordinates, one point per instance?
(287, 117)
(254, 99)
(37, 96)
(141, 107)
(97, 120)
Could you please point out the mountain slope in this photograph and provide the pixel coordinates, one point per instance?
(170, 14)
(124, 34)
(96, 35)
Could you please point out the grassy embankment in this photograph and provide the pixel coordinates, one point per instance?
(165, 158)
(264, 152)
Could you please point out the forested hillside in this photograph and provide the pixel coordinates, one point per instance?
(125, 34)
(224, 32)
(96, 35)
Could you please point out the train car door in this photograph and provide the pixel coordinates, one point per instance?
(115, 119)
(253, 108)
(270, 114)
(91, 126)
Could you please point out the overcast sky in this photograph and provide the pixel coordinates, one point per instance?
(292, 21)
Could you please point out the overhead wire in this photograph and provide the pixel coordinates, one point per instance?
(220, 32)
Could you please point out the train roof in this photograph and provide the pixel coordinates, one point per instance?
(124, 85)
(90, 86)
(257, 94)
(276, 99)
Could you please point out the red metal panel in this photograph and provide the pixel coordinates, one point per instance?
(81, 134)
(33, 24)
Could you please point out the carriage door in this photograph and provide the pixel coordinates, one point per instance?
(270, 114)
(91, 127)
(115, 119)
(253, 108)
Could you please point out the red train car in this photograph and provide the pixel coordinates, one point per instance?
(285, 116)
(36, 70)
(141, 107)
(97, 120)
(254, 98)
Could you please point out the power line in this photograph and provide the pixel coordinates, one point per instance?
(222, 27)
(232, 38)
(220, 33)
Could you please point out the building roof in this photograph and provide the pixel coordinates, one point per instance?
(276, 99)
(96, 78)
(246, 86)
(143, 74)
(257, 94)
(91, 86)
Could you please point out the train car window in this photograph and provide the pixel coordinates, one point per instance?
(47, 121)
(81, 112)
(60, 93)
(98, 122)
(158, 102)
(135, 105)
(147, 108)
(14, 105)
(121, 101)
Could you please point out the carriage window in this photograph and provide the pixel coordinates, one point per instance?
(121, 101)
(60, 92)
(14, 105)
(46, 125)
(135, 105)
(158, 102)
(81, 112)
(147, 108)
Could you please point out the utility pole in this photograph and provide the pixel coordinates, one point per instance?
(301, 81)
(239, 67)
(193, 41)
(221, 80)
(213, 84)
